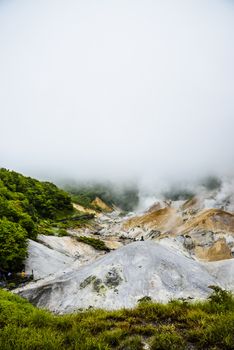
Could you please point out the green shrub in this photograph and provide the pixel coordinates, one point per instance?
(145, 299)
(221, 299)
(13, 245)
(24, 203)
(62, 232)
(94, 242)
(11, 285)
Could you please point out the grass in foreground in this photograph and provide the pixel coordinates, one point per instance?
(176, 325)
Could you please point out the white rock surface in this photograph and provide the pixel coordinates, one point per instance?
(175, 243)
(70, 247)
(223, 271)
(45, 261)
(55, 254)
(121, 278)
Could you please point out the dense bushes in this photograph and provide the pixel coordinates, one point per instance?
(13, 245)
(94, 242)
(24, 203)
(176, 325)
(20, 194)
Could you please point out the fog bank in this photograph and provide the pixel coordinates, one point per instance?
(117, 90)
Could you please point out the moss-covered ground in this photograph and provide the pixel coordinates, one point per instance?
(176, 325)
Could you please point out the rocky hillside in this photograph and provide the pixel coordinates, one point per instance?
(183, 247)
(121, 278)
(174, 249)
(206, 233)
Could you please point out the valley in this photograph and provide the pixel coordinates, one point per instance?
(172, 250)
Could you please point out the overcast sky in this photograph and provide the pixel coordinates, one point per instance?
(117, 89)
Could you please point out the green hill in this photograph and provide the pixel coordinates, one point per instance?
(25, 203)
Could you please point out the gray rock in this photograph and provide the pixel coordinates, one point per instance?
(202, 238)
(188, 242)
(116, 281)
(45, 261)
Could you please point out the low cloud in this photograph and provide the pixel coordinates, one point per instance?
(117, 90)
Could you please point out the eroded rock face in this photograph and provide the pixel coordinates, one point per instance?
(202, 238)
(153, 234)
(217, 251)
(205, 245)
(68, 246)
(45, 261)
(163, 220)
(97, 202)
(52, 255)
(214, 220)
(171, 268)
(200, 228)
(121, 278)
(223, 271)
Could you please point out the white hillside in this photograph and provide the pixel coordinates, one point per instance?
(121, 278)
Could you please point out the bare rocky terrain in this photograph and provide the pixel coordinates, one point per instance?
(171, 250)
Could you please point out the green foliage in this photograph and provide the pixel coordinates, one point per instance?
(94, 242)
(131, 343)
(113, 337)
(176, 325)
(220, 296)
(145, 299)
(24, 203)
(83, 198)
(177, 193)
(23, 198)
(220, 299)
(167, 339)
(13, 245)
(126, 197)
(212, 183)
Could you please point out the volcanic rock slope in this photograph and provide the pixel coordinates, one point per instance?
(186, 248)
(121, 278)
(206, 233)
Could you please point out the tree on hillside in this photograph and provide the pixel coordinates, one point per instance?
(25, 205)
(13, 245)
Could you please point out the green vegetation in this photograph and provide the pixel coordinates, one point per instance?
(59, 227)
(125, 197)
(94, 242)
(13, 245)
(177, 193)
(26, 198)
(26, 205)
(212, 183)
(177, 325)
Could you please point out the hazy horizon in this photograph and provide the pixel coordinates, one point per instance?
(120, 91)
